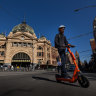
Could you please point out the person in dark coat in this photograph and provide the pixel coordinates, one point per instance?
(60, 42)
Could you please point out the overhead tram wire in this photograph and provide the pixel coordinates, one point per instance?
(86, 55)
(89, 56)
(78, 36)
(75, 37)
(85, 51)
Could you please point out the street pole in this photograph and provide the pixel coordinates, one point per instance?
(33, 66)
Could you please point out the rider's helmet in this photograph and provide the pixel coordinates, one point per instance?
(61, 26)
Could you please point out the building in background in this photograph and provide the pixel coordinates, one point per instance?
(22, 48)
(94, 30)
(93, 41)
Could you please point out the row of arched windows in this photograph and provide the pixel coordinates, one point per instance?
(21, 44)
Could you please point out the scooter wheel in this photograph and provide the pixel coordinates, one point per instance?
(83, 81)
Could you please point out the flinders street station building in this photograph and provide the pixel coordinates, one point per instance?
(22, 48)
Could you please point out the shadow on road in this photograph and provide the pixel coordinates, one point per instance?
(16, 91)
(46, 79)
(92, 78)
(50, 73)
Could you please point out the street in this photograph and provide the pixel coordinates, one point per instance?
(42, 83)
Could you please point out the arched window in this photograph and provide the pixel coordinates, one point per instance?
(21, 56)
(40, 48)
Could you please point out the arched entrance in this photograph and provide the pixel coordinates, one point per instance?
(21, 59)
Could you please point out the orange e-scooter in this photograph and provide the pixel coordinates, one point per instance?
(77, 75)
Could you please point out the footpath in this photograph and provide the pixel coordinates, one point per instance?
(12, 73)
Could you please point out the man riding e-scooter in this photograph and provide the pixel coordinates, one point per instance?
(60, 42)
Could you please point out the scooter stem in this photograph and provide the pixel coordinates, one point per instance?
(73, 58)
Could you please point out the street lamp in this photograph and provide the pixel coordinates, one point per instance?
(76, 10)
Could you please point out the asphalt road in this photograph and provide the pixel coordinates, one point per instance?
(42, 83)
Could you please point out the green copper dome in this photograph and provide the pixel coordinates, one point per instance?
(23, 27)
(42, 37)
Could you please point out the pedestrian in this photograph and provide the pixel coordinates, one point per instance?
(12, 68)
(60, 42)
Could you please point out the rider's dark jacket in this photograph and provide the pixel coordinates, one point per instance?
(60, 41)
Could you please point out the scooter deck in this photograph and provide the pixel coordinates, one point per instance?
(60, 78)
(75, 75)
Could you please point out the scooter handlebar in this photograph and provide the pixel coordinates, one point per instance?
(69, 45)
